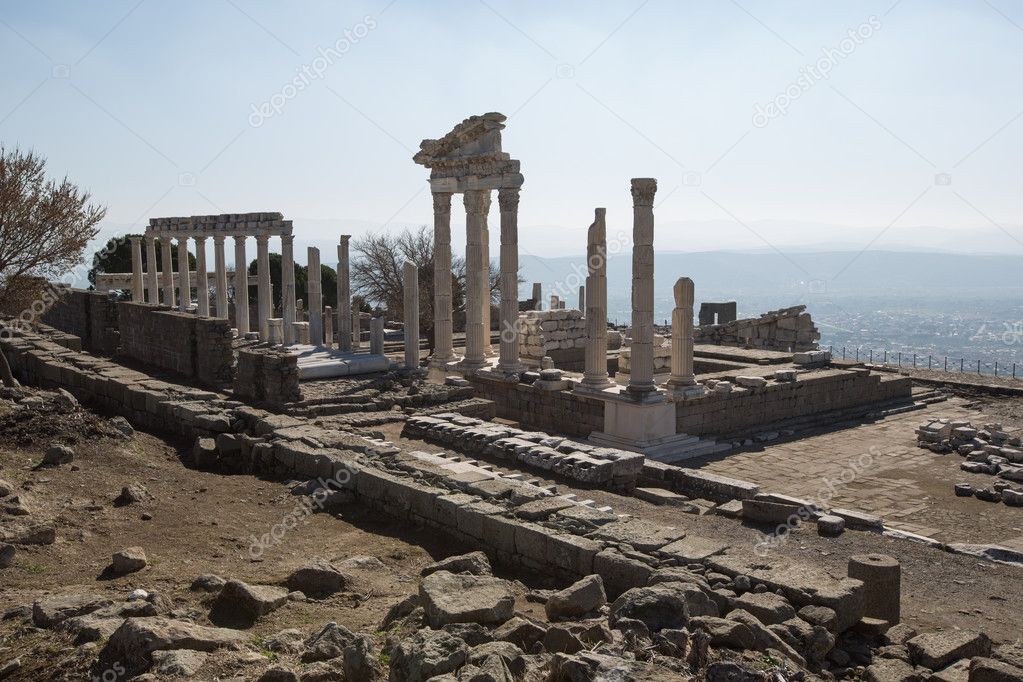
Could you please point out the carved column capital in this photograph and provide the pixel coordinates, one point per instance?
(643, 190)
(477, 201)
(508, 198)
(287, 239)
(218, 239)
(441, 203)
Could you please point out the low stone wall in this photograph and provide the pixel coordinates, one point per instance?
(89, 315)
(745, 410)
(534, 408)
(558, 334)
(195, 347)
(661, 351)
(267, 375)
(782, 330)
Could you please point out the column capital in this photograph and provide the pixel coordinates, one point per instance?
(508, 198)
(287, 239)
(344, 240)
(477, 201)
(239, 239)
(262, 239)
(200, 239)
(218, 239)
(441, 202)
(643, 191)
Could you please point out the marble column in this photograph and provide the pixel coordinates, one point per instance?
(344, 296)
(152, 279)
(264, 305)
(356, 328)
(202, 285)
(485, 240)
(167, 271)
(184, 281)
(582, 299)
(555, 302)
(595, 374)
(682, 336)
(289, 312)
(537, 296)
(315, 298)
(641, 377)
(220, 267)
(138, 292)
(508, 360)
(410, 301)
(241, 286)
(376, 336)
(328, 326)
(476, 202)
(443, 346)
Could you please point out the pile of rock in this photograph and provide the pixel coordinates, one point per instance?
(581, 462)
(988, 450)
(551, 333)
(787, 329)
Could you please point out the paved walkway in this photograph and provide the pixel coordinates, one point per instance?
(877, 468)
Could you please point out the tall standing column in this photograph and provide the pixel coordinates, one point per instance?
(410, 300)
(138, 292)
(537, 296)
(263, 305)
(682, 335)
(508, 361)
(485, 240)
(595, 374)
(220, 266)
(152, 279)
(288, 287)
(443, 345)
(167, 271)
(241, 286)
(315, 298)
(202, 285)
(475, 207)
(184, 281)
(641, 377)
(344, 296)
(582, 299)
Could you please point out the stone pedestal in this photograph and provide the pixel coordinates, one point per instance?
(275, 331)
(410, 276)
(264, 304)
(202, 284)
(555, 302)
(288, 311)
(220, 265)
(376, 336)
(184, 285)
(315, 298)
(882, 585)
(641, 377)
(508, 361)
(344, 296)
(639, 427)
(138, 293)
(595, 375)
(301, 332)
(241, 287)
(443, 345)
(152, 278)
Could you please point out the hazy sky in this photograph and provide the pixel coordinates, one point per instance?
(190, 107)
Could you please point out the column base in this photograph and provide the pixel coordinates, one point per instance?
(510, 368)
(644, 393)
(598, 389)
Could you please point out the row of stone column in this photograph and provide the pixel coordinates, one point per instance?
(147, 288)
(477, 264)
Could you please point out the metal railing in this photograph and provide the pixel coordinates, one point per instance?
(933, 361)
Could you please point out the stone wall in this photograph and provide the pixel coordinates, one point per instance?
(746, 410)
(717, 313)
(535, 408)
(89, 315)
(195, 347)
(662, 356)
(559, 334)
(788, 329)
(267, 375)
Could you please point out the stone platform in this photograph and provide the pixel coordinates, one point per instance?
(322, 363)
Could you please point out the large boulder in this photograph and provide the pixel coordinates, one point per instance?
(723, 632)
(466, 598)
(241, 603)
(133, 643)
(318, 578)
(330, 642)
(475, 563)
(426, 654)
(128, 560)
(360, 662)
(769, 608)
(935, 650)
(53, 610)
(990, 670)
(661, 606)
(577, 599)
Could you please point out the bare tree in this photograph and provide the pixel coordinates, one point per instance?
(45, 226)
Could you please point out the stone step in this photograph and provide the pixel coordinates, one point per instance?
(701, 448)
